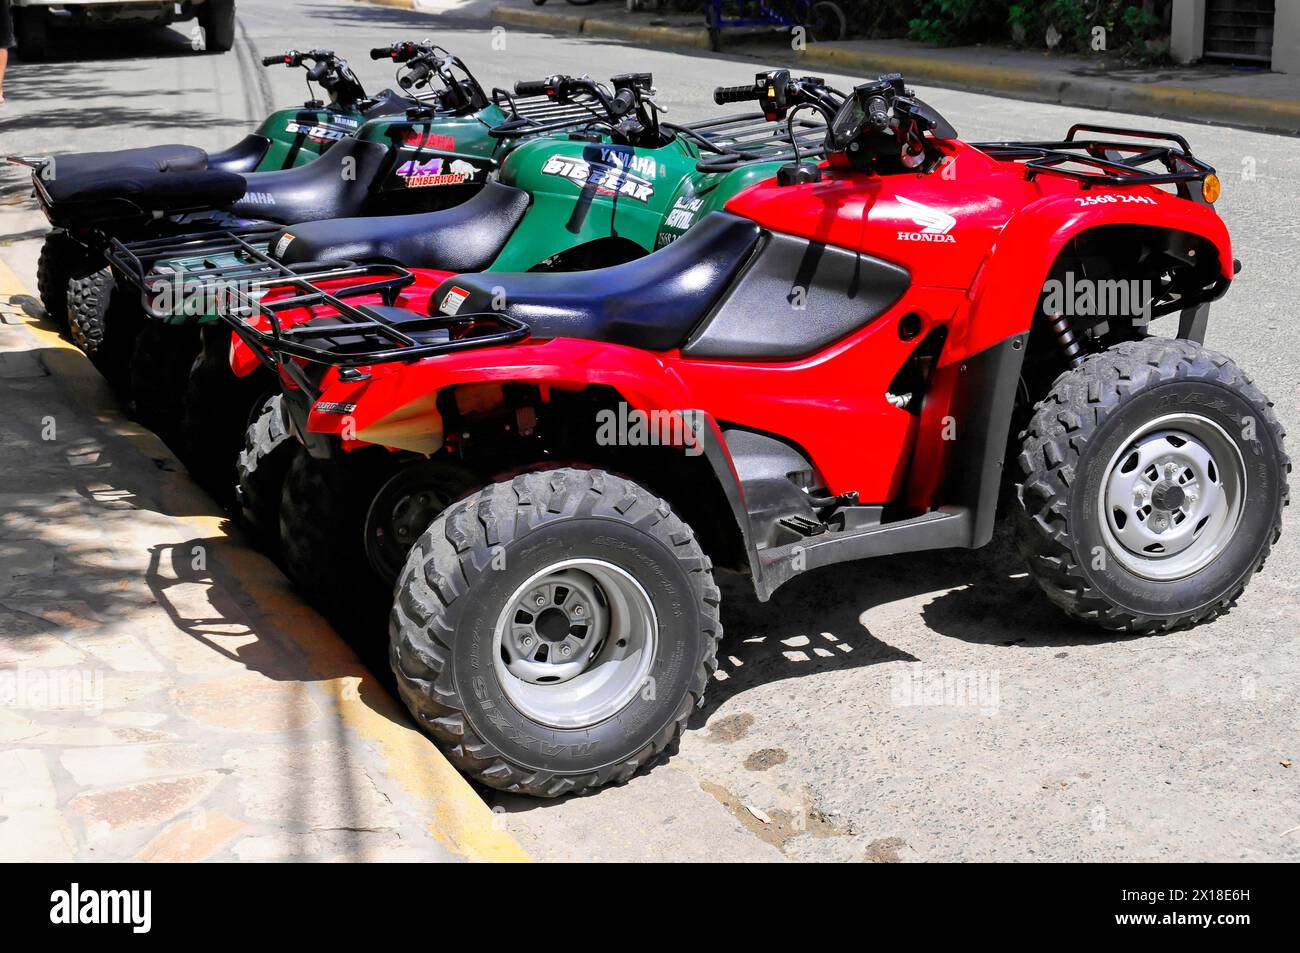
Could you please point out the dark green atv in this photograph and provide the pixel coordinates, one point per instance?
(617, 189)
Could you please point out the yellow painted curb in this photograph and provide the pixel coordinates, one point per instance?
(460, 820)
(659, 35)
(538, 19)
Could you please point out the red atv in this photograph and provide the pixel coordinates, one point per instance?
(836, 367)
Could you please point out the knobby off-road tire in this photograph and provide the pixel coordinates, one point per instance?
(217, 412)
(260, 471)
(217, 17)
(322, 533)
(100, 322)
(1146, 415)
(454, 612)
(61, 257)
(160, 371)
(402, 509)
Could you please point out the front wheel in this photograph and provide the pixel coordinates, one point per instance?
(1154, 478)
(217, 17)
(33, 32)
(827, 22)
(553, 633)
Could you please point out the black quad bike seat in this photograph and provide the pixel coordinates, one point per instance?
(166, 158)
(465, 237)
(652, 303)
(319, 189)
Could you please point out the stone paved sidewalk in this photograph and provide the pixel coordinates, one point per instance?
(163, 695)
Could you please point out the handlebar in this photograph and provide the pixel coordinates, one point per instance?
(737, 94)
(531, 88)
(327, 69)
(416, 75)
(401, 52)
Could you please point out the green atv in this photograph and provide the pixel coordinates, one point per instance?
(96, 200)
(286, 139)
(613, 192)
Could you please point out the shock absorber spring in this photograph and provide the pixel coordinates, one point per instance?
(1065, 335)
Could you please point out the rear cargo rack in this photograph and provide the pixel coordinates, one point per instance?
(354, 335)
(1106, 161)
(741, 140)
(190, 260)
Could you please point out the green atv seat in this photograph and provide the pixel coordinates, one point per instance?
(652, 303)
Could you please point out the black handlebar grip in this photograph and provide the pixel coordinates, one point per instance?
(531, 87)
(381, 52)
(736, 94)
(415, 75)
(272, 60)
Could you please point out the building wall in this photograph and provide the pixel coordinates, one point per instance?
(1187, 33)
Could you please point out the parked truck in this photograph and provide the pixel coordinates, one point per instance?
(33, 19)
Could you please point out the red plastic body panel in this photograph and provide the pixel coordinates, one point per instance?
(978, 238)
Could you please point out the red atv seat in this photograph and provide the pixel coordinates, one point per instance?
(466, 237)
(651, 303)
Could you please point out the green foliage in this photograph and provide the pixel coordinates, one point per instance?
(1133, 29)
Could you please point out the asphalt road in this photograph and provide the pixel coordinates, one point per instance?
(1081, 745)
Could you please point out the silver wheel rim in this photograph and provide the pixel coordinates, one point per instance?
(574, 643)
(1172, 497)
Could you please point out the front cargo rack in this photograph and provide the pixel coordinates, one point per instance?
(1106, 161)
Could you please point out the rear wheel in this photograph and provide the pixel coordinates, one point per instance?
(1154, 478)
(260, 471)
(218, 410)
(160, 371)
(323, 509)
(554, 633)
(99, 323)
(217, 17)
(405, 506)
(61, 257)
